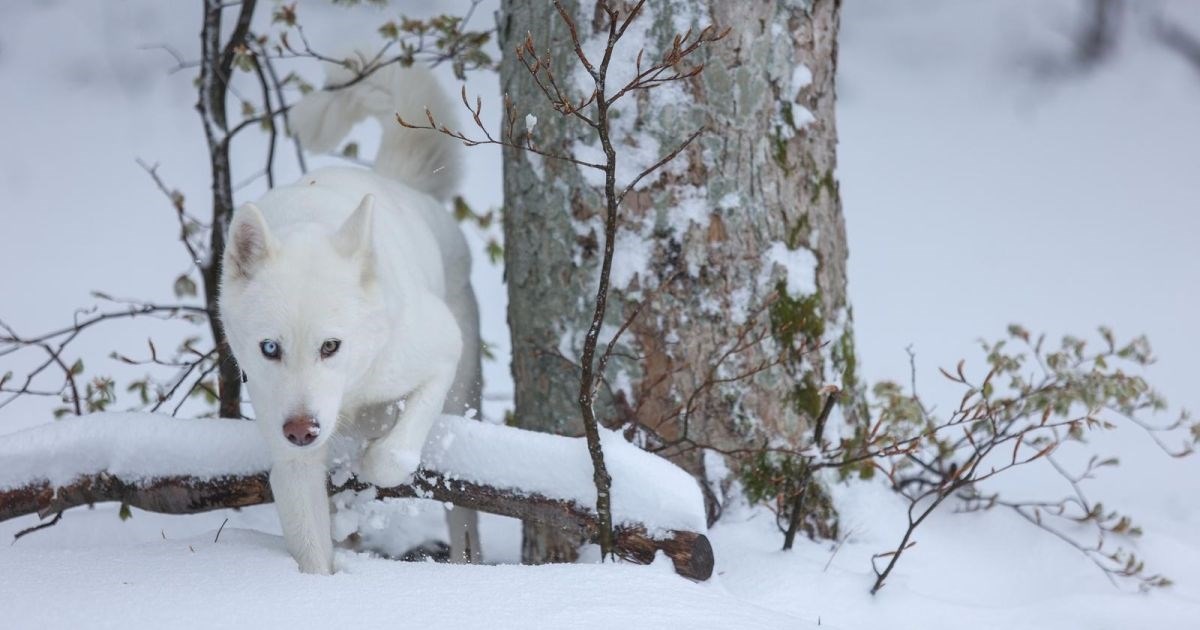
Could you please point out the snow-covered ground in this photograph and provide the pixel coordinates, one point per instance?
(975, 193)
(167, 572)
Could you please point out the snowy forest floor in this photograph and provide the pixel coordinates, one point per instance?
(975, 194)
(166, 572)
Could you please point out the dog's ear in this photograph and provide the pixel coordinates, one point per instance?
(354, 239)
(250, 242)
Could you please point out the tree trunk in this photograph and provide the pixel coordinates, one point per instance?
(735, 252)
(213, 86)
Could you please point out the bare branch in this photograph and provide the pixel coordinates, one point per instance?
(659, 164)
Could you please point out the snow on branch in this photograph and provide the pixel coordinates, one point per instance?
(168, 465)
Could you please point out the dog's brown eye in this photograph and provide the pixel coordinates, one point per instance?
(330, 347)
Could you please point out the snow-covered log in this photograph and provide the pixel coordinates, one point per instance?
(162, 464)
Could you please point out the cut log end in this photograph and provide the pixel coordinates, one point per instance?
(697, 560)
(690, 552)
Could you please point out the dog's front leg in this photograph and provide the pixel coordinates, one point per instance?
(299, 486)
(392, 459)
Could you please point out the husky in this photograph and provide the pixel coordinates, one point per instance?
(348, 291)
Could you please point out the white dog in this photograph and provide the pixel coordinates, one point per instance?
(348, 291)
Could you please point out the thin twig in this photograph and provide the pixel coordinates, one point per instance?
(29, 530)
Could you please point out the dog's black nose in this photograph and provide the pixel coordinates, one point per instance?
(301, 430)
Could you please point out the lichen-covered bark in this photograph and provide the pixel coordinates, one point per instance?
(741, 236)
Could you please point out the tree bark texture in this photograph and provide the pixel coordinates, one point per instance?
(740, 237)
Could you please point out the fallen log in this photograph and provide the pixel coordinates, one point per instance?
(496, 469)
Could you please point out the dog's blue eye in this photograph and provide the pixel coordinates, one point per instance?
(270, 349)
(330, 347)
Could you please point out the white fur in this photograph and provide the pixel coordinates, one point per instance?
(368, 258)
(429, 161)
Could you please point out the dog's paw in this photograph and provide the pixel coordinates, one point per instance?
(315, 560)
(316, 567)
(387, 466)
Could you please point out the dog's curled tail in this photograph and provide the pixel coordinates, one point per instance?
(423, 159)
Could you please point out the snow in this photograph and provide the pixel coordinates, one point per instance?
(973, 195)
(246, 579)
(645, 489)
(801, 116)
(974, 570)
(801, 77)
(536, 163)
(397, 526)
(692, 206)
(631, 257)
(800, 265)
(131, 446)
(135, 446)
